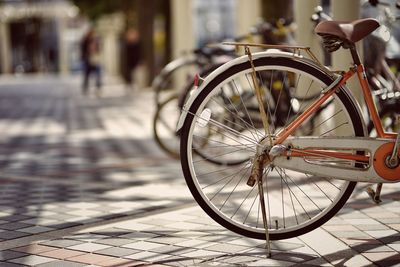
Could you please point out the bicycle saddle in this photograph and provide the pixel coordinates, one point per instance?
(347, 31)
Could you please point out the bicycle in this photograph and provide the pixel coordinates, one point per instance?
(179, 71)
(284, 180)
(206, 59)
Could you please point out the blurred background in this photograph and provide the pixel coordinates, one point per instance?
(44, 36)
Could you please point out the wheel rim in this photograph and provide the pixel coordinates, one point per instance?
(223, 190)
(164, 126)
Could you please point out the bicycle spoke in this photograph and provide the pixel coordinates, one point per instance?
(250, 127)
(335, 128)
(246, 111)
(224, 131)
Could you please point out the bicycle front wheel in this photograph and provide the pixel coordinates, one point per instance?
(223, 125)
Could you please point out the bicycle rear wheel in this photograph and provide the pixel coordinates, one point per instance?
(226, 128)
(164, 126)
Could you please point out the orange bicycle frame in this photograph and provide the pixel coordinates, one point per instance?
(359, 69)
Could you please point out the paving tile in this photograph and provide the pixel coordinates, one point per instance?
(367, 221)
(167, 249)
(14, 218)
(32, 260)
(9, 264)
(195, 243)
(134, 226)
(168, 240)
(36, 229)
(61, 253)
(86, 237)
(142, 245)
(10, 254)
(335, 228)
(184, 226)
(190, 234)
(350, 234)
(383, 258)
(90, 258)
(63, 225)
(113, 241)
(219, 238)
(62, 243)
(14, 226)
(292, 257)
(164, 231)
(242, 260)
(395, 246)
(11, 234)
(226, 248)
(158, 222)
(383, 233)
(40, 221)
(117, 262)
(34, 249)
(147, 256)
(395, 226)
(183, 261)
(202, 254)
(59, 263)
(316, 262)
(112, 232)
(383, 215)
(117, 251)
(368, 247)
(373, 227)
(89, 247)
(247, 242)
(270, 262)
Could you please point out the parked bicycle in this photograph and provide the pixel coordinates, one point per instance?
(170, 99)
(275, 181)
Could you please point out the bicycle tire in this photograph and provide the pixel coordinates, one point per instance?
(228, 208)
(167, 115)
(164, 82)
(164, 124)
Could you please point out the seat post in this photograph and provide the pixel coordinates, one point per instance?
(354, 54)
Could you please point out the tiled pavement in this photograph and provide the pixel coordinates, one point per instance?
(83, 184)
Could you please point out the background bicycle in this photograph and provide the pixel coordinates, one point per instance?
(171, 95)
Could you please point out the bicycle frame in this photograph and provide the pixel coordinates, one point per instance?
(341, 80)
(377, 149)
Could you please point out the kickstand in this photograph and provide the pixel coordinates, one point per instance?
(264, 213)
(375, 194)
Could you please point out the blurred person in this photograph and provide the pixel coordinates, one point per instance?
(90, 52)
(132, 58)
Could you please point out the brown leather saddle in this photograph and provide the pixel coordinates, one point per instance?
(345, 33)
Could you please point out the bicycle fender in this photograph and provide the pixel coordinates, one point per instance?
(222, 68)
(243, 59)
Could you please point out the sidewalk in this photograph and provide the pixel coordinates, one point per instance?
(83, 184)
(362, 234)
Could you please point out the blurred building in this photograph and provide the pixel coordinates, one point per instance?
(44, 35)
(34, 35)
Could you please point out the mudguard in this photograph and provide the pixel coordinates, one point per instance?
(243, 59)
